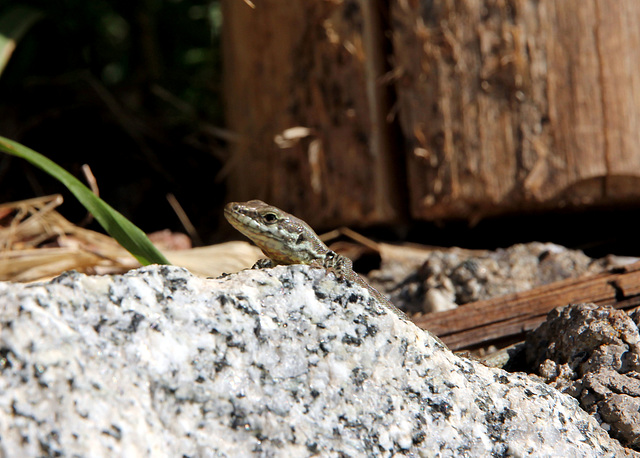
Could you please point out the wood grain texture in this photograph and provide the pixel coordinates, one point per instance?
(510, 316)
(509, 105)
(316, 65)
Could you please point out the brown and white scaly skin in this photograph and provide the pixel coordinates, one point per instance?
(287, 240)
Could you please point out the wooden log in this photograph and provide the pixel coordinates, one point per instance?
(512, 315)
(304, 91)
(518, 104)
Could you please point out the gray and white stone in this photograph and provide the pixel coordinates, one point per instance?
(280, 362)
(442, 279)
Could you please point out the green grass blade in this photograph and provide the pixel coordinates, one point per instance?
(14, 23)
(117, 226)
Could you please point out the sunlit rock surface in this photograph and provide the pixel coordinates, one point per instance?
(280, 362)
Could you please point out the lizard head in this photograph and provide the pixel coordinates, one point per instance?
(280, 235)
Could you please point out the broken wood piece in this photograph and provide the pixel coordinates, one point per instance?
(512, 315)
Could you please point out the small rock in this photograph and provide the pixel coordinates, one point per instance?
(477, 275)
(593, 354)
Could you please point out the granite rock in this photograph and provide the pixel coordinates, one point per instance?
(279, 362)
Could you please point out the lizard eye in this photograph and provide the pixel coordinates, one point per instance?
(270, 217)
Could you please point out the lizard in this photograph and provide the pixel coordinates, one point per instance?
(287, 240)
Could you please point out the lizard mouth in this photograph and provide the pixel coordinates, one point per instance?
(242, 222)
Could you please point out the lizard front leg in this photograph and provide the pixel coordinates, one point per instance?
(264, 263)
(340, 265)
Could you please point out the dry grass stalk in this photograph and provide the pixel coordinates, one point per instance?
(37, 243)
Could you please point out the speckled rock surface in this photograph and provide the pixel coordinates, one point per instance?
(281, 362)
(593, 354)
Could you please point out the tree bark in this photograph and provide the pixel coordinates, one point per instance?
(518, 104)
(505, 106)
(303, 89)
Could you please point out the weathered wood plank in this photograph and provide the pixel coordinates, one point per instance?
(510, 316)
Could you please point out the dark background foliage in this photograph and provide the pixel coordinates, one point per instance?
(130, 88)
